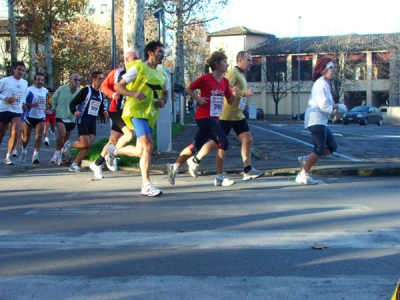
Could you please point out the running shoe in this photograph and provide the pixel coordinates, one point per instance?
(223, 180)
(35, 158)
(111, 165)
(305, 178)
(193, 167)
(22, 158)
(53, 135)
(97, 170)
(8, 160)
(148, 189)
(252, 174)
(66, 150)
(302, 161)
(171, 173)
(74, 168)
(111, 156)
(46, 142)
(14, 153)
(54, 158)
(59, 159)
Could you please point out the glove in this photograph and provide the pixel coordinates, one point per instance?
(343, 107)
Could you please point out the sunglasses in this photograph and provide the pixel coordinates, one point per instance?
(76, 79)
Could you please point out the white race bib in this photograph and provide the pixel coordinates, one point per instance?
(216, 105)
(17, 101)
(42, 102)
(242, 103)
(94, 107)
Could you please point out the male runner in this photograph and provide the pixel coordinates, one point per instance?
(86, 106)
(12, 88)
(35, 100)
(65, 120)
(120, 134)
(146, 86)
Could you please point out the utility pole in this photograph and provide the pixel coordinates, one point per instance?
(298, 75)
(113, 39)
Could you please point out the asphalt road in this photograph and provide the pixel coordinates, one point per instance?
(70, 238)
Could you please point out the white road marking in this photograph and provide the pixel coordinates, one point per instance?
(198, 287)
(304, 143)
(252, 239)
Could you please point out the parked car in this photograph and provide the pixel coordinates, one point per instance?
(260, 113)
(301, 117)
(363, 115)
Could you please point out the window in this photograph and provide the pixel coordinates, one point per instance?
(381, 65)
(8, 46)
(305, 67)
(356, 66)
(254, 74)
(103, 8)
(276, 68)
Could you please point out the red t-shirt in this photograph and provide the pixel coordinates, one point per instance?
(209, 86)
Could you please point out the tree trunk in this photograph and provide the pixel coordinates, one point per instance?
(179, 57)
(13, 32)
(49, 59)
(32, 59)
(134, 26)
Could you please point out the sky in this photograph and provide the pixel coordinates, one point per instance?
(318, 18)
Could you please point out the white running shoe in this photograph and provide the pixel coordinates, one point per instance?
(111, 156)
(252, 174)
(66, 150)
(14, 153)
(8, 160)
(171, 173)
(74, 168)
(97, 170)
(46, 142)
(53, 135)
(148, 189)
(302, 161)
(35, 158)
(53, 160)
(305, 178)
(223, 180)
(22, 158)
(193, 167)
(110, 164)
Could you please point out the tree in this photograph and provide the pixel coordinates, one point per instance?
(183, 13)
(82, 47)
(13, 31)
(133, 35)
(42, 18)
(196, 51)
(277, 82)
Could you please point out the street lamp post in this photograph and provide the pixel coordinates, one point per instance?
(298, 74)
(113, 39)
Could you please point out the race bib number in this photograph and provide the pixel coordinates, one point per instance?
(242, 103)
(17, 99)
(42, 102)
(94, 107)
(216, 104)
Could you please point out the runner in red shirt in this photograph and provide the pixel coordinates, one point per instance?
(213, 88)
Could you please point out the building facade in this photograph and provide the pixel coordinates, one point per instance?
(366, 65)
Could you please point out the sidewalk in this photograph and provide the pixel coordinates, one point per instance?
(268, 155)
